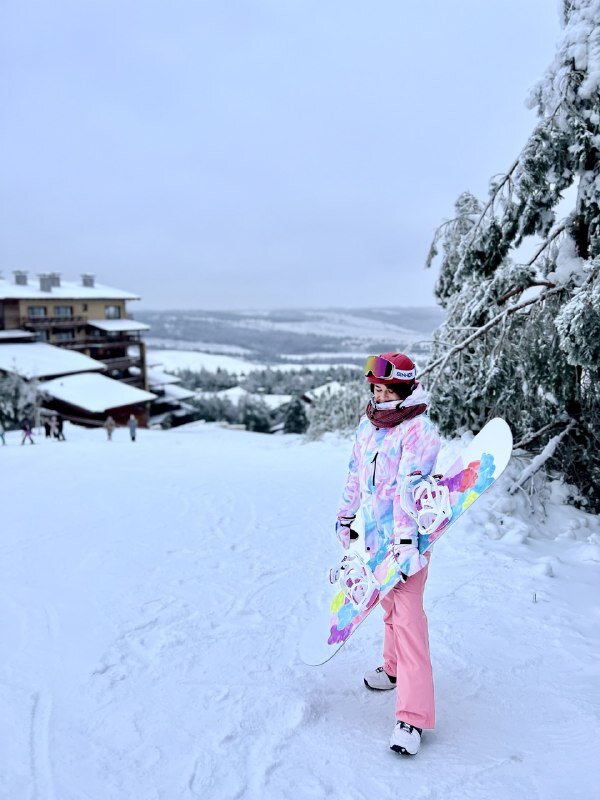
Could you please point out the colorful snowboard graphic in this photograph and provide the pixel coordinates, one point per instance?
(368, 579)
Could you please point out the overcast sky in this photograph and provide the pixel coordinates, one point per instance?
(256, 153)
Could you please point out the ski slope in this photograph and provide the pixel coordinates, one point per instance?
(151, 596)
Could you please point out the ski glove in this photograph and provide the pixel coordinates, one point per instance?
(406, 556)
(344, 532)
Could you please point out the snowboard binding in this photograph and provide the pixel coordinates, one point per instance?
(356, 580)
(427, 501)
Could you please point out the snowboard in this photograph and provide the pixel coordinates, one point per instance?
(362, 579)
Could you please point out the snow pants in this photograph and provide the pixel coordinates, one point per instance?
(406, 651)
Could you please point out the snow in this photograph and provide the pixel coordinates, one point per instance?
(173, 360)
(113, 325)
(156, 377)
(150, 608)
(38, 360)
(68, 290)
(332, 387)
(237, 393)
(17, 333)
(95, 393)
(568, 263)
(331, 322)
(174, 392)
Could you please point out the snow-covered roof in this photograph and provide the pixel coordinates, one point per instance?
(68, 290)
(16, 333)
(40, 360)
(172, 392)
(237, 393)
(273, 401)
(156, 377)
(112, 325)
(94, 393)
(332, 387)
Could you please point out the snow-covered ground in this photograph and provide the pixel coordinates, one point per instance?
(152, 594)
(173, 360)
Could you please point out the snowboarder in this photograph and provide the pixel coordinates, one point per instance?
(394, 439)
(26, 428)
(109, 425)
(132, 425)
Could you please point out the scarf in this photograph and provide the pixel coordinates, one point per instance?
(388, 415)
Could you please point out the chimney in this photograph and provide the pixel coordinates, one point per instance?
(55, 279)
(87, 279)
(45, 282)
(20, 277)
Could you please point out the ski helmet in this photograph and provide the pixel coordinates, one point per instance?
(391, 368)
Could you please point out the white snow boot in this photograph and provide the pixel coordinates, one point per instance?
(379, 679)
(405, 738)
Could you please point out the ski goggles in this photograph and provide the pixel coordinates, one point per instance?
(384, 370)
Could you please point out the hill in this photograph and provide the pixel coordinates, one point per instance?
(151, 600)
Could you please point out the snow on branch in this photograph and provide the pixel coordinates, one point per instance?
(531, 437)
(539, 461)
(443, 360)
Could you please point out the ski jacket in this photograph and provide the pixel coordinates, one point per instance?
(381, 459)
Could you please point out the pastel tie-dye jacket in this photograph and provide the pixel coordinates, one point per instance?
(381, 459)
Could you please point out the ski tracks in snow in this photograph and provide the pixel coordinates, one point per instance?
(42, 782)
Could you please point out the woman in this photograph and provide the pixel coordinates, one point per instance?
(395, 439)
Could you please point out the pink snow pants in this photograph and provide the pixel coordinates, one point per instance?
(406, 651)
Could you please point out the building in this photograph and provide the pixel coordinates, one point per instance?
(86, 317)
(39, 319)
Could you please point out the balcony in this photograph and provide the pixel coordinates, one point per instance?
(122, 363)
(47, 323)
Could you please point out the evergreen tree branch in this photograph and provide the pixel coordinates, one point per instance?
(539, 461)
(443, 360)
(521, 289)
(533, 436)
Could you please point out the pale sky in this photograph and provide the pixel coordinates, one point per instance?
(256, 153)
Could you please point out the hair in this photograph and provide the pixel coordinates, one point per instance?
(403, 390)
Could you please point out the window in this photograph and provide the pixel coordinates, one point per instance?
(84, 306)
(63, 311)
(112, 312)
(64, 336)
(36, 311)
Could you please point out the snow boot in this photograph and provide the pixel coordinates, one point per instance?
(405, 738)
(379, 680)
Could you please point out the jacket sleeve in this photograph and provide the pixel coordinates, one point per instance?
(350, 501)
(420, 448)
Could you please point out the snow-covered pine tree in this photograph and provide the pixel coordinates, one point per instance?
(522, 340)
(295, 420)
(17, 399)
(338, 410)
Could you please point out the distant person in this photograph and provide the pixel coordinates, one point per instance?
(53, 427)
(109, 426)
(60, 424)
(132, 425)
(2, 432)
(47, 428)
(26, 428)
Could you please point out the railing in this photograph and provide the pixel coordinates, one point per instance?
(52, 322)
(123, 362)
(105, 344)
